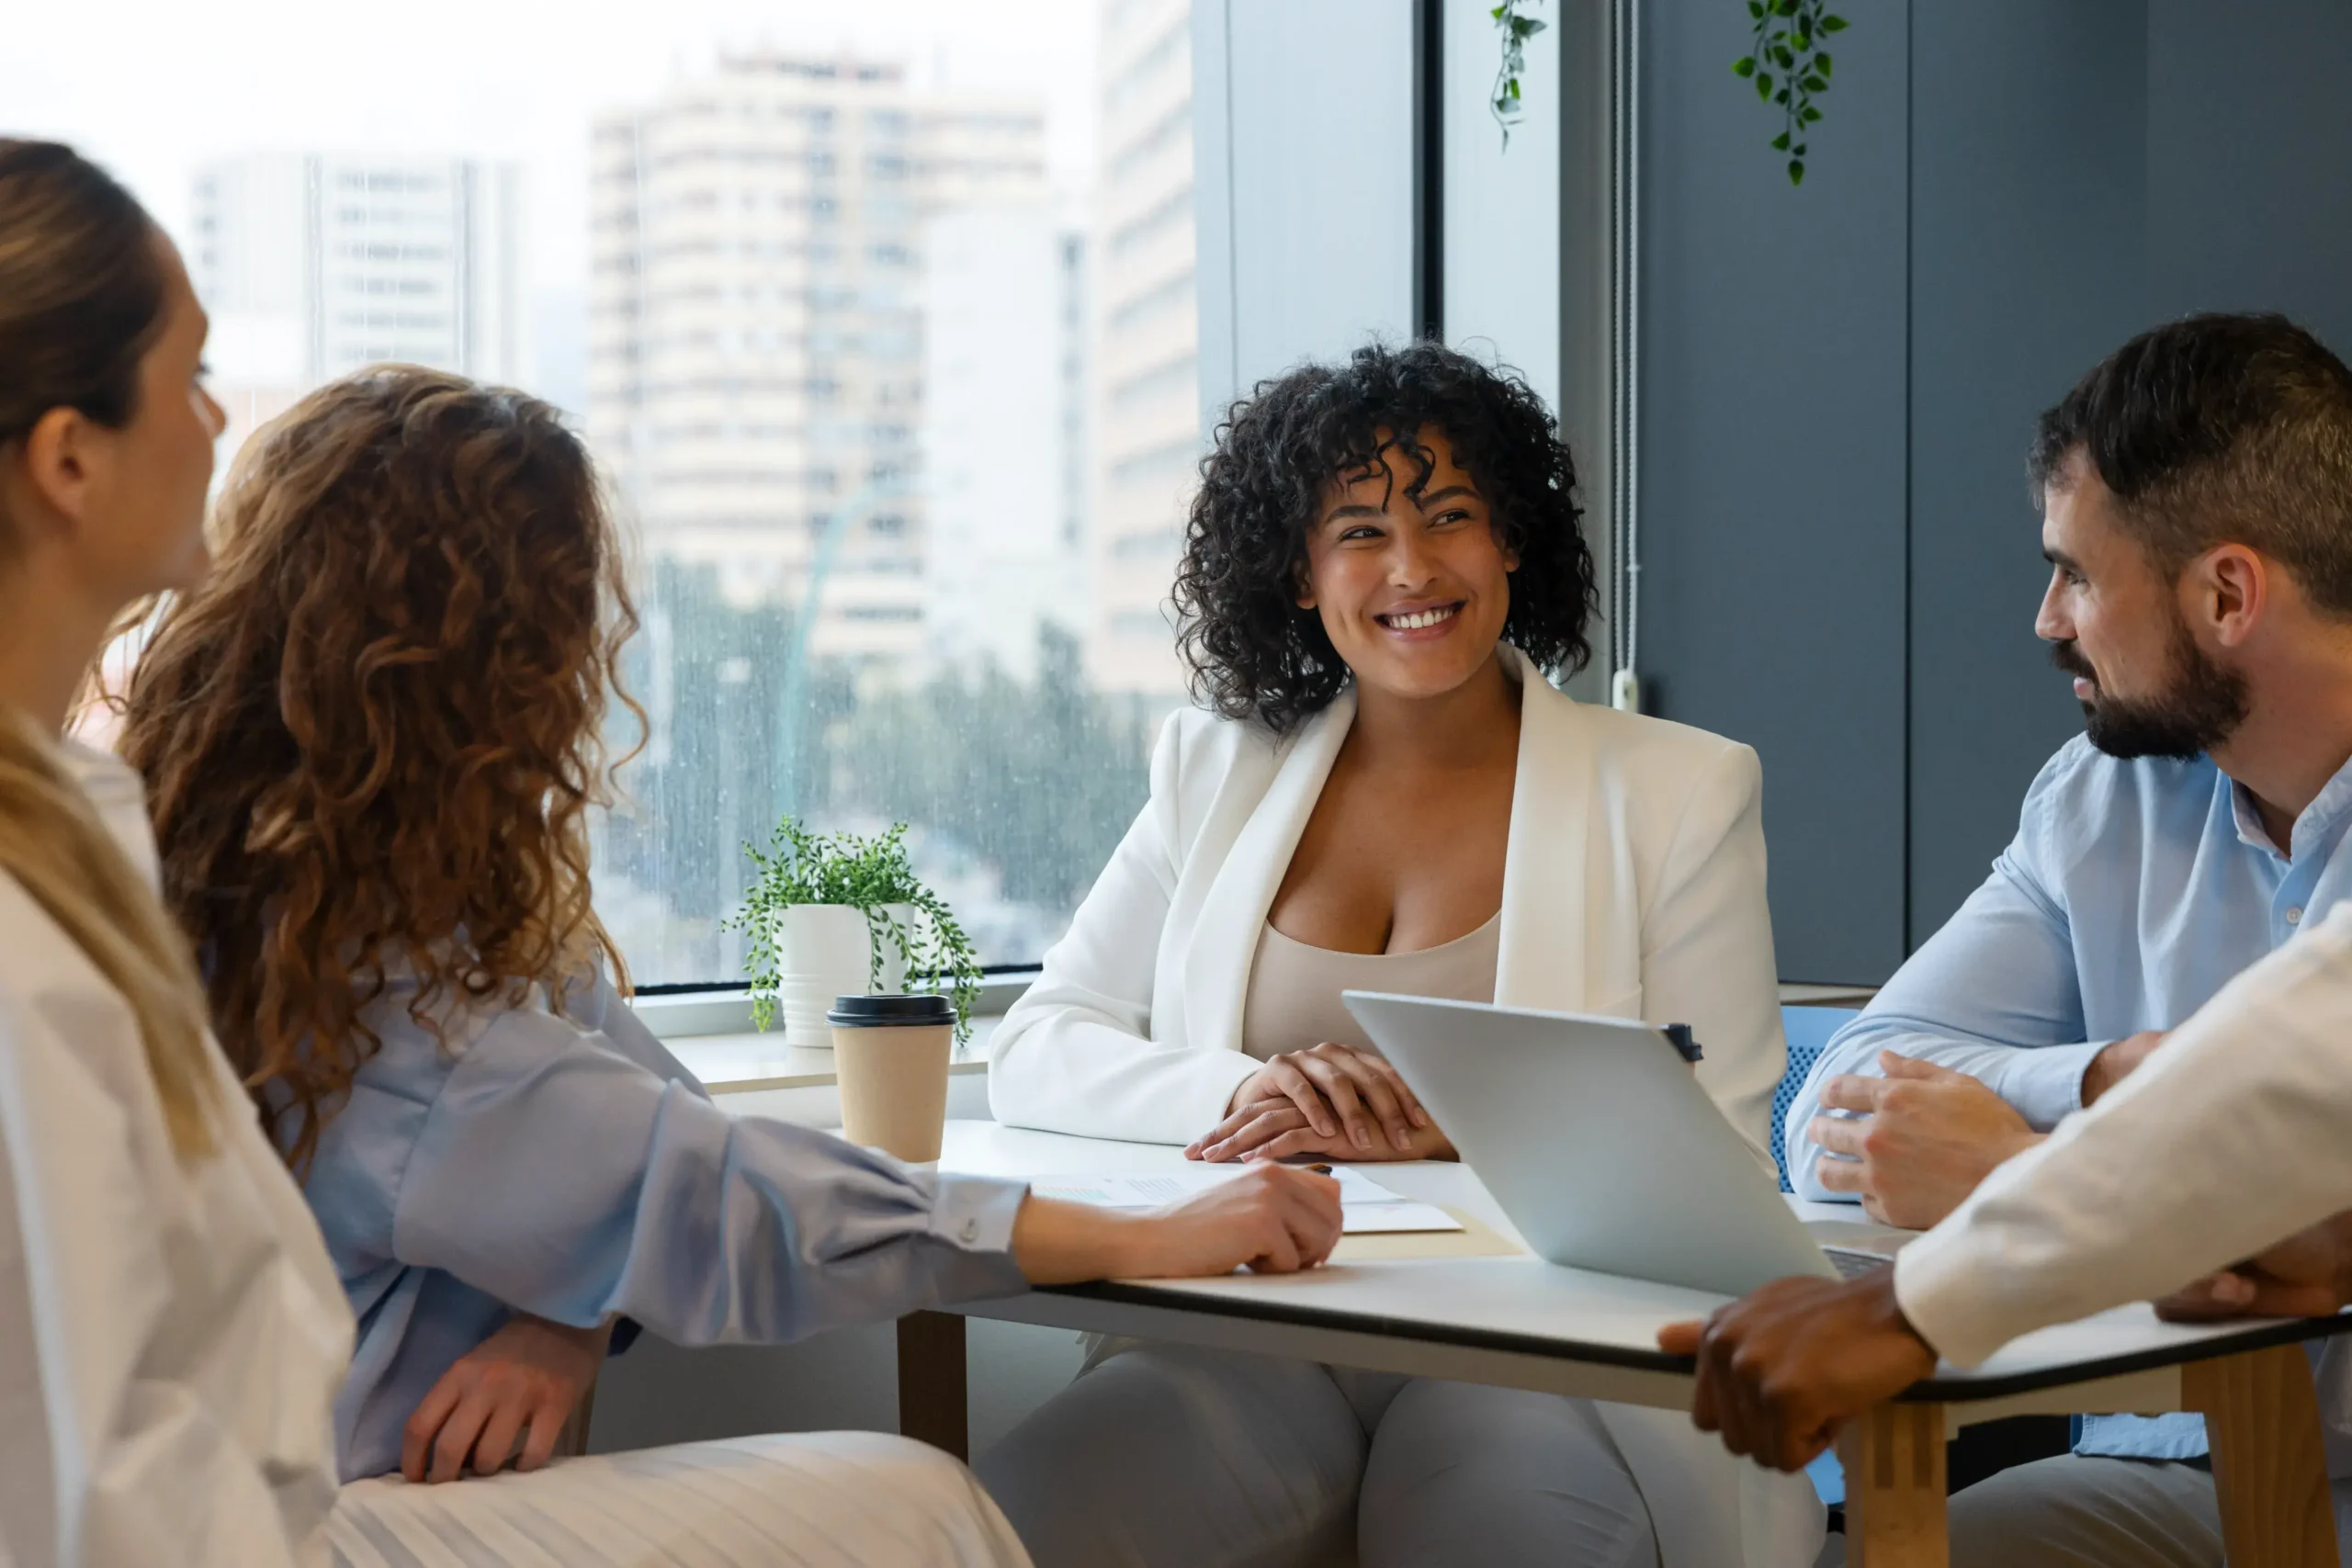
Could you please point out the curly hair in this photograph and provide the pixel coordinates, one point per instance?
(371, 736)
(1253, 652)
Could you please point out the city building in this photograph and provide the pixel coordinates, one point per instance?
(315, 264)
(756, 325)
(1148, 427)
(1004, 473)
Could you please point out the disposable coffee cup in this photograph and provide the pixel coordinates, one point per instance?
(890, 1057)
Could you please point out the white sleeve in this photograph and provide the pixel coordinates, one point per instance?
(2230, 1137)
(1707, 946)
(1074, 1053)
(107, 1462)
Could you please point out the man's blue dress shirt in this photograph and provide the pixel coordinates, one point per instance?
(2133, 892)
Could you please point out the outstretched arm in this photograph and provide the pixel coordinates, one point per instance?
(570, 1181)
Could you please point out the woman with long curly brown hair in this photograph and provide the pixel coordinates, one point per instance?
(371, 735)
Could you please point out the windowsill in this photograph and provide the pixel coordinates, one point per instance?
(749, 1062)
(711, 1034)
(728, 1012)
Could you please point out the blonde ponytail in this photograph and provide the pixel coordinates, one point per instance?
(52, 843)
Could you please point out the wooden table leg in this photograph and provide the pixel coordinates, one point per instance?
(1895, 1488)
(2262, 1420)
(933, 1400)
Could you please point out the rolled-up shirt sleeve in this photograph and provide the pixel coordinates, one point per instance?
(1994, 994)
(567, 1181)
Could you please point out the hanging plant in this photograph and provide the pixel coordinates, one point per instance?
(1516, 27)
(1788, 65)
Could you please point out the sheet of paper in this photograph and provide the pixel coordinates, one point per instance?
(1365, 1206)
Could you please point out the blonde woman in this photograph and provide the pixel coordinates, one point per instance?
(173, 1331)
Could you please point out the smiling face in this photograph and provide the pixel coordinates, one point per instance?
(1405, 572)
(2115, 624)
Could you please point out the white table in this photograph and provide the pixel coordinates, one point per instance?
(1521, 1323)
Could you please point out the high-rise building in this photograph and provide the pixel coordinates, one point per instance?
(315, 264)
(1004, 434)
(1146, 431)
(756, 332)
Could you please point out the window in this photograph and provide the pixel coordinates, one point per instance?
(885, 338)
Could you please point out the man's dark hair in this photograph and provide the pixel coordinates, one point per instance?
(2219, 429)
(1254, 653)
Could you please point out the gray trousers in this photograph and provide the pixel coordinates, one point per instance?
(2076, 1512)
(1170, 1457)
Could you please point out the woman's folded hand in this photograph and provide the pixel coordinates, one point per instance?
(1277, 1129)
(1337, 1100)
(1350, 1103)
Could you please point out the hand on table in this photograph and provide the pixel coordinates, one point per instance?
(1927, 1137)
(2308, 1275)
(2115, 1062)
(1334, 1099)
(523, 1382)
(1782, 1368)
(1277, 1129)
(1273, 1219)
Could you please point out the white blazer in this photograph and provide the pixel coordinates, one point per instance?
(171, 1336)
(1632, 886)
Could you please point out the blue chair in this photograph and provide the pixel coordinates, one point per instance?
(1809, 1030)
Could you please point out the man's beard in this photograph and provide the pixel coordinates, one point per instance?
(2200, 708)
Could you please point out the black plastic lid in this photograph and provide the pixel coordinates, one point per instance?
(892, 1011)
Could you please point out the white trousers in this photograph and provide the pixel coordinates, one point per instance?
(1164, 1456)
(803, 1500)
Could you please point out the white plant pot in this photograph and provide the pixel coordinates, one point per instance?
(825, 950)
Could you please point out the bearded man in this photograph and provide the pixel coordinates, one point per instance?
(2196, 498)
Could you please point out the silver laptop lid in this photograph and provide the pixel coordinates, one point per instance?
(1595, 1137)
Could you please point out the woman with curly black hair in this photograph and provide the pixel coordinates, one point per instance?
(1384, 572)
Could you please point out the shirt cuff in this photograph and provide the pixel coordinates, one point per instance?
(2046, 1085)
(974, 1215)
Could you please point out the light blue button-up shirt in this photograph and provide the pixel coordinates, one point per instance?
(567, 1164)
(2133, 892)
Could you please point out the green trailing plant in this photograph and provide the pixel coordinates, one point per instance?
(800, 868)
(1516, 27)
(1788, 66)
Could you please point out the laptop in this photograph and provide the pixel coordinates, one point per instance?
(1595, 1137)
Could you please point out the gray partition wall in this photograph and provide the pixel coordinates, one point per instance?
(1840, 564)
(1772, 479)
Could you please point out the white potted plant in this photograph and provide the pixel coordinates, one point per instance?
(833, 914)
